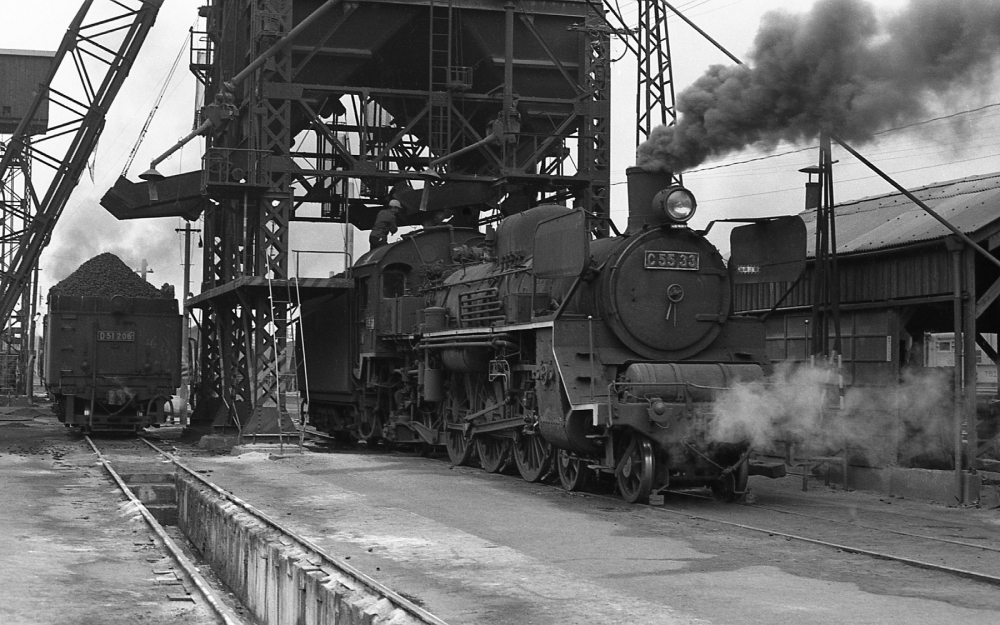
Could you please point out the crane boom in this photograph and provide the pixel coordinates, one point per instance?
(101, 45)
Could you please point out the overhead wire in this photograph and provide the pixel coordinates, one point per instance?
(892, 154)
(844, 180)
(909, 152)
(156, 105)
(887, 131)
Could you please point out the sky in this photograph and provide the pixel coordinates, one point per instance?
(750, 182)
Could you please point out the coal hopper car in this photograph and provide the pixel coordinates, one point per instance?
(111, 354)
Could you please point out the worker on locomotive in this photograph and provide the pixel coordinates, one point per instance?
(542, 348)
(386, 223)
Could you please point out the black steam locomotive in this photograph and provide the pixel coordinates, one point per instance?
(541, 347)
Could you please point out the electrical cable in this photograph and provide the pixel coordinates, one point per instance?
(814, 146)
(156, 105)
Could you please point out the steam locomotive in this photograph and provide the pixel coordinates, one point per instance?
(541, 347)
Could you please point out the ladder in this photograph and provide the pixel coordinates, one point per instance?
(439, 118)
(285, 307)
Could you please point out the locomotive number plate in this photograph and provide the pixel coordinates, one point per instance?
(688, 261)
(112, 335)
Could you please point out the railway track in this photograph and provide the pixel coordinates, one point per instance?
(854, 529)
(209, 595)
(937, 540)
(364, 590)
(848, 528)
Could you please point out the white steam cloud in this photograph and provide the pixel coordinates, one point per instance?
(910, 422)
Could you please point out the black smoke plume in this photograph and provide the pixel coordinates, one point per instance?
(837, 68)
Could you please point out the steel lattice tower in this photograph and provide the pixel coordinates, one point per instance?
(505, 105)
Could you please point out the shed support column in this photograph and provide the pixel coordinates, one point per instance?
(971, 359)
(956, 281)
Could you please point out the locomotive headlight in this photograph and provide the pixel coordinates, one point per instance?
(678, 203)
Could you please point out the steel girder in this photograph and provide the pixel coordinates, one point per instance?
(247, 235)
(246, 226)
(655, 90)
(649, 42)
(91, 64)
(17, 348)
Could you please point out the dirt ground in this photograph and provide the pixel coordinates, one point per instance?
(478, 548)
(491, 549)
(71, 551)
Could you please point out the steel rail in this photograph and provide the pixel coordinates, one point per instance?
(878, 529)
(878, 555)
(221, 610)
(396, 599)
(920, 564)
(930, 566)
(853, 524)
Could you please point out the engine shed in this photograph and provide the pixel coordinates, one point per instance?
(21, 71)
(903, 276)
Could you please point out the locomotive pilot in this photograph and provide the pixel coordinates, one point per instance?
(385, 224)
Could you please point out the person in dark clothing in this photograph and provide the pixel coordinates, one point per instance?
(385, 224)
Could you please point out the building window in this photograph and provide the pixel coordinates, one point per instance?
(944, 346)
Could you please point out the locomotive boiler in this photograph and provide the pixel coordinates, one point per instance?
(541, 347)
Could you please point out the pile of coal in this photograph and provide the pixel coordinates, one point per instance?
(105, 275)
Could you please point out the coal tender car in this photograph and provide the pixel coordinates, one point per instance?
(111, 356)
(549, 351)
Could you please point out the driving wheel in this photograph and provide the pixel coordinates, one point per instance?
(634, 472)
(456, 439)
(533, 455)
(494, 449)
(574, 474)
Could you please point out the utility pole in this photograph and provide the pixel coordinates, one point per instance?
(186, 379)
(145, 270)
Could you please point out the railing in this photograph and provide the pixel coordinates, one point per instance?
(479, 308)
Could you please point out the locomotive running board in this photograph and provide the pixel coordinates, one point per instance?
(490, 330)
(577, 367)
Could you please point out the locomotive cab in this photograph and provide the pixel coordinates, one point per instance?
(360, 365)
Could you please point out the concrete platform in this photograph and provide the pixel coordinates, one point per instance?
(72, 552)
(981, 488)
(473, 547)
(218, 442)
(271, 449)
(231, 444)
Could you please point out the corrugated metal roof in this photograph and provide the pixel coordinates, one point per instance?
(892, 220)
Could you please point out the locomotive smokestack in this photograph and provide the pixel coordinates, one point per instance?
(643, 185)
(814, 188)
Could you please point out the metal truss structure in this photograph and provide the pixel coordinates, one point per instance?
(15, 348)
(649, 44)
(38, 174)
(464, 110)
